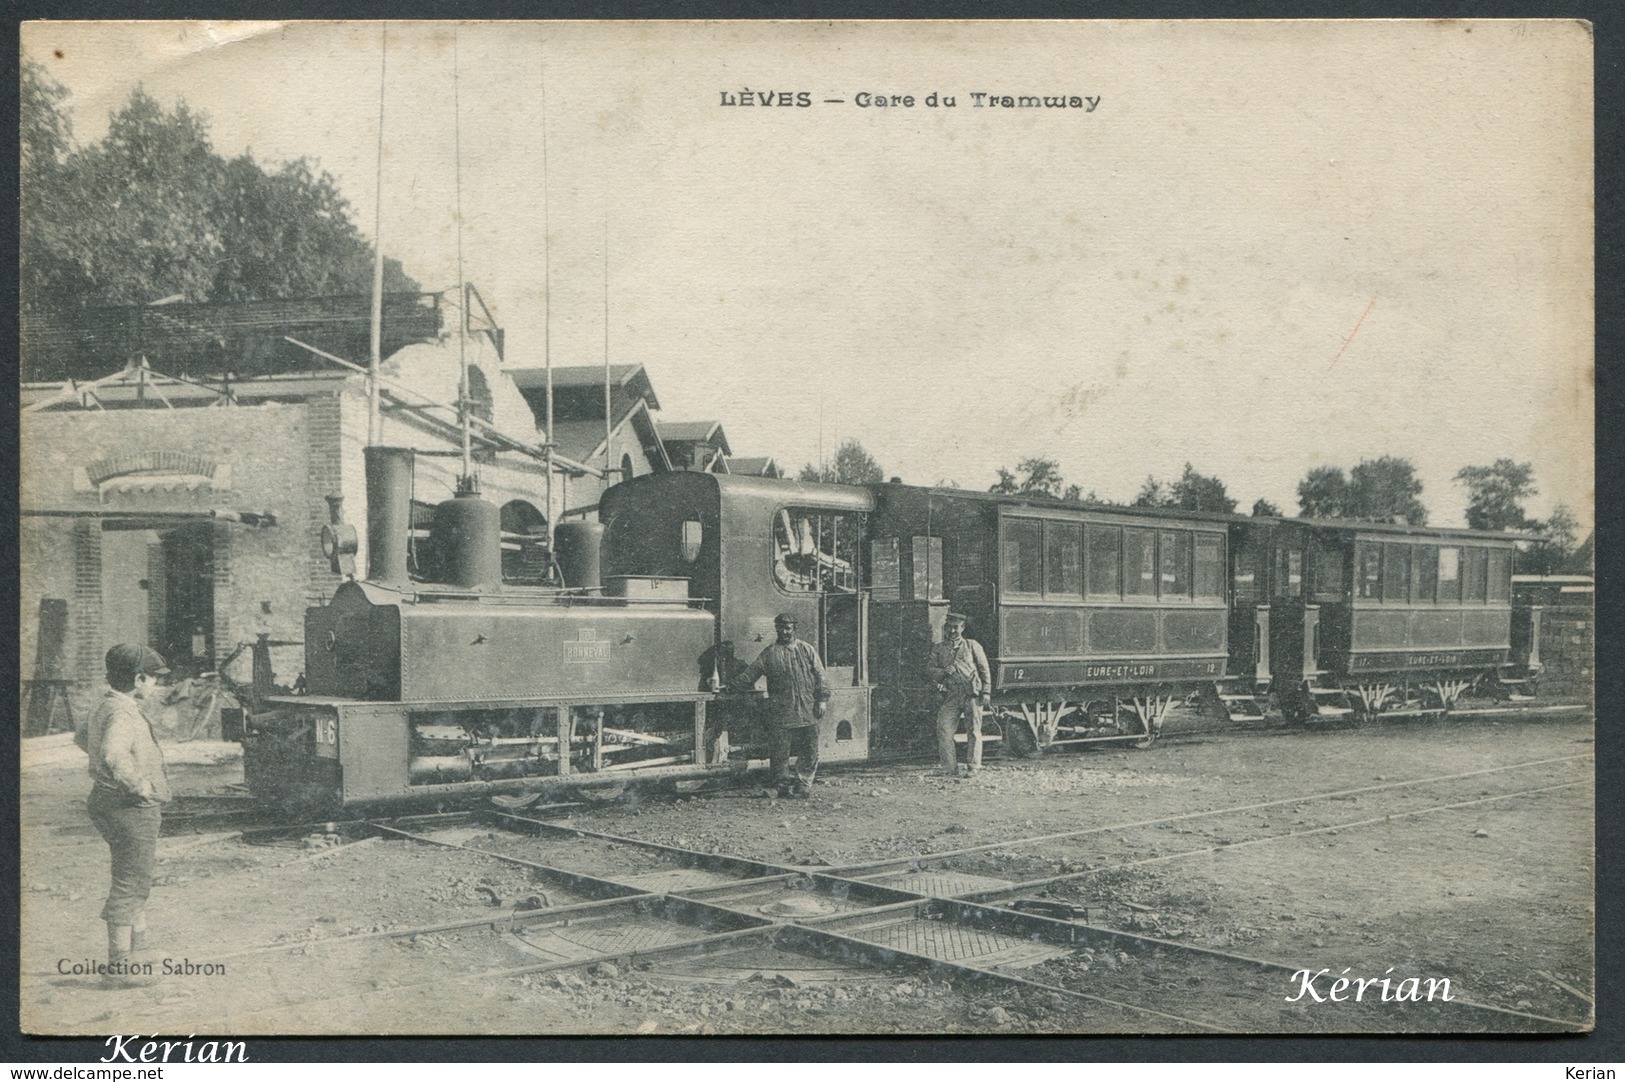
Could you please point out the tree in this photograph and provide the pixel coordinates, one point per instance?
(1153, 493)
(1384, 489)
(1198, 492)
(852, 466)
(1263, 508)
(1324, 493)
(45, 203)
(1495, 495)
(1547, 557)
(1377, 490)
(1192, 492)
(151, 211)
(1037, 477)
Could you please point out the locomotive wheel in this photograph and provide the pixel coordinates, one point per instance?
(1019, 742)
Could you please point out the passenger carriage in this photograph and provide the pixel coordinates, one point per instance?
(1097, 621)
(1363, 620)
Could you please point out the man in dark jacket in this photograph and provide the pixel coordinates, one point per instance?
(128, 790)
(796, 694)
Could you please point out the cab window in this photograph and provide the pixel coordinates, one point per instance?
(815, 550)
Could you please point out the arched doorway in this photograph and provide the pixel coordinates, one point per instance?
(525, 556)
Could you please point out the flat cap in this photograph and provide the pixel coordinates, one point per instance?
(133, 658)
(957, 617)
(785, 618)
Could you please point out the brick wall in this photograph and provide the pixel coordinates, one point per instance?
(85, 609)
(1568, 651)
(266, 452)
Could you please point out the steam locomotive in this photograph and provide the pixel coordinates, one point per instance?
(1099, 622)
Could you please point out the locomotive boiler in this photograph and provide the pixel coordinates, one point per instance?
(466, 685)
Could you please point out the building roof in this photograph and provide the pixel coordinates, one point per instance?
(579, 383)
(583, 441)
(754, 466)
(709, 432)
(691, 430)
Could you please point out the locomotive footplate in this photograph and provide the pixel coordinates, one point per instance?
(376, 752)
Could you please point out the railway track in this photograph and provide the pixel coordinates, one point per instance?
(1012, 916)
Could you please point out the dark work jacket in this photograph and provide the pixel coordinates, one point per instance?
(795, 681)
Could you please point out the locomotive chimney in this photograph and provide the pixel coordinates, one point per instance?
(389, 513)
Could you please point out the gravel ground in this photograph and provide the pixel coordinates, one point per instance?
(1496, 896)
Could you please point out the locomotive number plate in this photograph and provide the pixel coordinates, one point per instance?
(579, 651)
(327, 730)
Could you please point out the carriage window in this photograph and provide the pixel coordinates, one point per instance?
(1396, 572)
(1449, 575)
(1477, 574)
(1023, 555)
(1249, 567)
(1369, 558)
(1328, 569)
(1208, 576)
(1140, 563)
(1289, 576)
(816, 550)
(1104, 562)
(1500, 583)
(1063, 559)
(1176, 564)
(1427, 573)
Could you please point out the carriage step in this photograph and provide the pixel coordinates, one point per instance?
(1246, 717)
(1332, 711)
(1327, 691)
(1237, 698)
(1517, 697)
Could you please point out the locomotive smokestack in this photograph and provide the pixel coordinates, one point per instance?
(389, 513)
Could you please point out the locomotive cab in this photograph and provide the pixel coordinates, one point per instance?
(750, 548)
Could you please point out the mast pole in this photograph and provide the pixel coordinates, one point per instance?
(466, 483)
(547, 304)
(376, 358)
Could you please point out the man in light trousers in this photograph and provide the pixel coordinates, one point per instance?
(958, 666)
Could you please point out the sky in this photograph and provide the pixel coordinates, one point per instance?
(1267, 246)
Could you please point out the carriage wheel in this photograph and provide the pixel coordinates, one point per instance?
(1019, 741)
